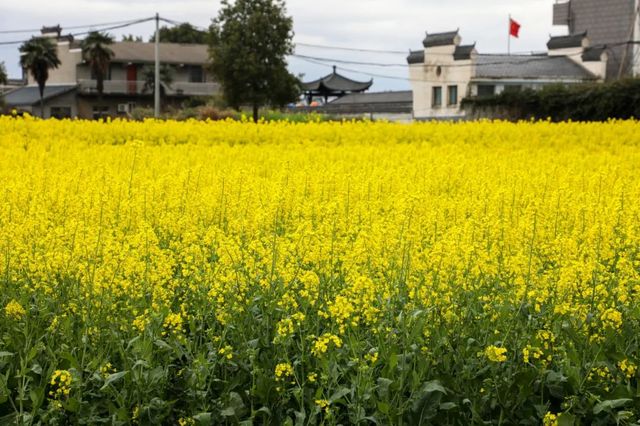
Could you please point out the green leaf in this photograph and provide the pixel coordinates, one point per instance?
(383, 386)
(235, 407)
(433, 386)
(161, 344)
(37, 396)
(263, 410)
(111, 378)
(228, 412)
(610, 405)
(337, 395)
(36, 368)
(383, 407)
(566, 419)
(446, 406)
(5, 353)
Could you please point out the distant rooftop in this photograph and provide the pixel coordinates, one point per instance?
(30, 95)
(530, 67)
(404, 96)
(335, 82)
(170, 53)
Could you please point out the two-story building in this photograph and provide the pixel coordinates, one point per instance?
(71, 89)
(445, 71)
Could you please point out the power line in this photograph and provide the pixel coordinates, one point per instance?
(114, 27)
(509, 59)
(76, 27)
(352, 49)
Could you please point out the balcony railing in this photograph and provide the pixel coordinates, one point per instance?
(133, 87)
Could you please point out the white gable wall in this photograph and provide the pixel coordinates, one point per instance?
(439, 70)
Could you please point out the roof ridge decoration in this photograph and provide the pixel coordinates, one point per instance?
(566, 41)
(464, 52)
(594, 53)
(442, 39)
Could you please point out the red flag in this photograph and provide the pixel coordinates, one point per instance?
(514, 28)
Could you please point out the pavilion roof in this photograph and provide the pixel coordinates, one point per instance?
(335, 82)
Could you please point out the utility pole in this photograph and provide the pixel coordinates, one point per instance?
(156, 85)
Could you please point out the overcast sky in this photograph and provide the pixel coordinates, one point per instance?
(397, 25)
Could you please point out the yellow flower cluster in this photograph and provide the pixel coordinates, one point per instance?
(322, 343)
(283, 371)
(628, 368)
(14, 310)
(173, 324)
(106, 370)
(550, 419)
(495, 354)
(323, 404)
(61, 384)
(226, 352)
(612, 319)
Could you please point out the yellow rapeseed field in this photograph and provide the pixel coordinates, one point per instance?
(319, 273)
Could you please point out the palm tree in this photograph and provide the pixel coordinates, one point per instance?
(96, 52)
(38, 56)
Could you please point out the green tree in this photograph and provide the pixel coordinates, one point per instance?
(183, 33)
(3, 74)
(149, 75)
(38, 56)
(250, 40)
(131, 37)
(96, 52)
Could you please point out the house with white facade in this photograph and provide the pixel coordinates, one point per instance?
(445, 71)
(71, 88)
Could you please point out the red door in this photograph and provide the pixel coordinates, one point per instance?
(132, 76)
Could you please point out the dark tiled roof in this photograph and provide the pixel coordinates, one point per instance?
(405, 96)
(440, 39)
(30, 95)
(593, 54)
(463, 52)
(416, 57)
(563, 42)
(53, 29)
(170, 53)
(530, 67)
(335, 82)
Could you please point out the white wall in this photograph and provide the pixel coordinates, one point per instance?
(66, 72)
(439, 70)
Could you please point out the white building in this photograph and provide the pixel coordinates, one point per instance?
(444, 72)
(71, 88)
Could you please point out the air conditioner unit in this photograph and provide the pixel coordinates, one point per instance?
(123, 108)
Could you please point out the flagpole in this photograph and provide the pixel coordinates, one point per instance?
(509, 37)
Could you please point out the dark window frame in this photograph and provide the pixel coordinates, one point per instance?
(452, 95)
(436, 101)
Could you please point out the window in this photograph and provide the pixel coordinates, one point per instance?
(485, 90)
(436, 99)
(513, 88)
(452, 92)
(100, 112)
(196, 75)
(60, 112)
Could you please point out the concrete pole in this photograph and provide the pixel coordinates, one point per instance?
(156, 85)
